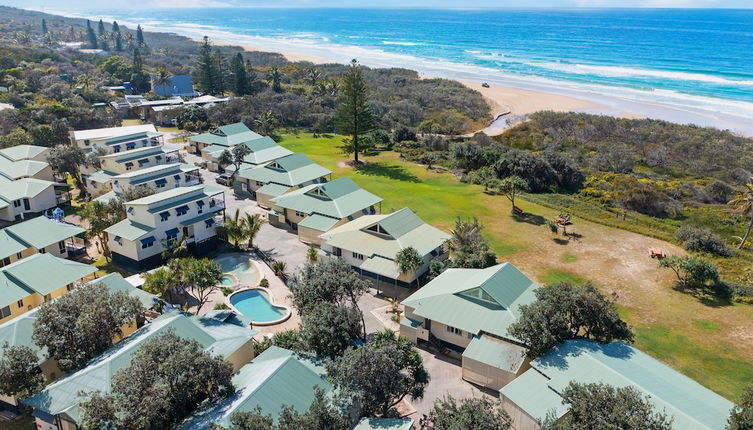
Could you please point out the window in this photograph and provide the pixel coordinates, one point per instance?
(130, 210)
(145, 245)
(470, 335)
(20, 303)
(42, 251)
(357, 256)
(61, 246)
(143, 161)
(130, 145)
(116, 148)
(259, 184)
(69, 287)
(19, 256)
(172, 234)
(181, 210)
(86, 142)
(5, 261)
(164, 216)
(17, 203)
(158, 157)
(119, 240)
(129, 166)
(454, 330)
(300, 214)
(5, 312)
(47, 298)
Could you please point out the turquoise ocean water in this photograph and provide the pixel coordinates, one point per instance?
(684, 60)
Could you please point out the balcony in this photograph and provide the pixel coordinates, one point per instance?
(216, 204)
(192, 180)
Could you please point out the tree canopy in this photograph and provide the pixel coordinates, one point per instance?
(741, 416)
(353, 115)
(477, 413)
(20, 375)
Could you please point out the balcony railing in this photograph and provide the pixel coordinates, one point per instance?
(216, 204)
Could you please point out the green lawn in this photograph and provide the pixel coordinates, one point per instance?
(696, 338)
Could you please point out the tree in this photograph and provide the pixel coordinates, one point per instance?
(511, 186)
(139, 78)
(115, 26)
(17, 136)
(266, 122)
(408, 260)
(280, 269)
(240, 77)
(565, 311)
(468, 248)
(332, 281)
(353, 114)
(139, 35)
(221, 72)
(162, 77)
(312, 254)
(741, 416)
(100, 216)
(232, 230)
(330, 329)
(274, 77)
(225, 159)
(313, 76)
(91, 35)
(101, 27)
(251, 226)
(68, 159)
(479, 413)
(82, 324)
(601, 406)
(44, 26)
(206, 68)
(160, 282)
(167, 378)
(239, 152)
(743, 204)
(20, 375)
(379, 375)
(198, 277)
(691, 271)
(174, 248)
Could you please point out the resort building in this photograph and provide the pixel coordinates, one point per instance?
(165, 176)
(371, 243)
(18, 331)
(29, 282)
(385, 424)
(153, 222)
(278, 177)
(275, 378)
(317, 208)
(29, 197)
(117, 139)
(39, 235)
(210, 145)
(535, 393)
(25, 152)
(176, 86)
(57, 406)
(25, 161)
(466, 313)
(125, 162)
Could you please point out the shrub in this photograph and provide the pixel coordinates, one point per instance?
(264, 283)
(700, 240)
(226, 291)
(736, 292)
(221, 307)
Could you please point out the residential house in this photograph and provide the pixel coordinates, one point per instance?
(31, 281)
(278, 177)
(29, 197)
(155, 221)
(165, 176)
(176, 86)
(57, 406)
(385, 424)
(117, 139)
(18, 331)
(39, 235)
(25, 152)
(211, 145)
(537, 392)
(15, 170)
(371, 243)
(275, 378)
(119, 163)
(466, 313)
(317, 208)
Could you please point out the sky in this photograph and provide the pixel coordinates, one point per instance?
(77, 5)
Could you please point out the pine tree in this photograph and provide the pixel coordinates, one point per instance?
(115, 26)
(207, 72)
(139, 79)
(101, 27)
(240, 77)
(91, 35)
(354, 116)
(44, 26)
(118, 41)
(139, 35)
(221, 73)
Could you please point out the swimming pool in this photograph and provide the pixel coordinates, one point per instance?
(255, 304)
(242, 269)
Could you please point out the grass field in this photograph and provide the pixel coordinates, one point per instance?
(709, 341)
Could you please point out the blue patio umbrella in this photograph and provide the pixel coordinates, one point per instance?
(58, 214)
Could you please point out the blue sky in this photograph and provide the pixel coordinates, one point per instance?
(87, 4)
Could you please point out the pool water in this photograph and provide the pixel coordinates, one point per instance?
(241, 267)
(227, 281)
(255, 305)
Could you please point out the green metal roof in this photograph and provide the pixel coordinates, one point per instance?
(227, 135)
(129, 230)
(264, 150)
(273, 190)
(318, 222)
(41, 231)
(200, 218)
(24, 188)
(214, 150)
(139, 153)
(385, 424)
(292, 170)
(176, 197)
(115, 283)
(10, 245)
(21, 169)
(337, 199)
(397, 231)
(65, 394)
(496, 353)
(22, 152)
(441, 299)
(155, 172)
(100, 176)
(381, 266)
(40, 273)
(106, 197)
(692, 406)
(275, 378)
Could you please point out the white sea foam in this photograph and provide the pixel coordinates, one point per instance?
(391, 42)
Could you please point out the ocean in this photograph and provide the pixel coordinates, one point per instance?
(683, 64)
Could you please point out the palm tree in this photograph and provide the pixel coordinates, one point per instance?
(251, 226)
(408, 260)
(313, 76)
(333, 86)
(85, 81)
(312, 254)
(162, 77)
(280, 269)
(743, 204)
(160, 282)
(274, 77)
(266, 122)
(232, 229)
